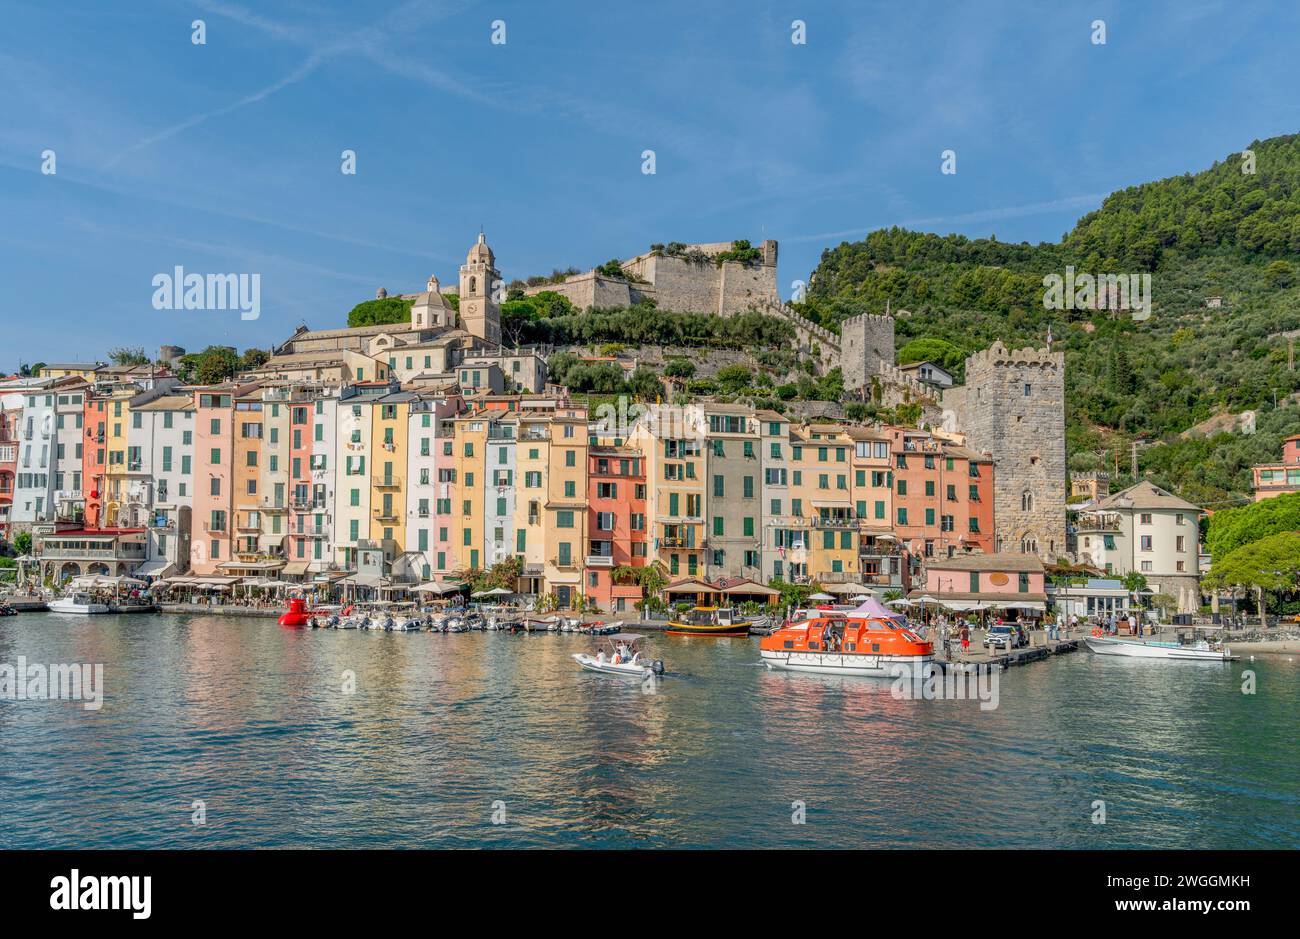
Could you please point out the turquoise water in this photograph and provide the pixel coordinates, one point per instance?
(251, 719)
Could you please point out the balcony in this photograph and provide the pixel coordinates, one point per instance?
(271, 504)
(600, 560)
(834, 522)
(386, 482)
(216, 528)
(386, 515)
(564, 564)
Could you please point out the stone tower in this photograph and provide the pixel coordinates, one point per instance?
(866, 343)
(1012, 407)
(479, 311)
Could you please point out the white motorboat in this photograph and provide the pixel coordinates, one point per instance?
(1200, 651)
(619, 654)
(77, 603)
(407, 625)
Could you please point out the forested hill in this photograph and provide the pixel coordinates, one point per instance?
(1218, 233)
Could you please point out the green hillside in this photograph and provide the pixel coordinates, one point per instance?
(1217, 233)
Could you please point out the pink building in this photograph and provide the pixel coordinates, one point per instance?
(986, 581)
(214, 485)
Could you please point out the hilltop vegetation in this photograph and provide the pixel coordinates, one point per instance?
(1220, 233)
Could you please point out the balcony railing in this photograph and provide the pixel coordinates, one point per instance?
(600, 560)
(386, 482)
(564, 564)
(386, 515)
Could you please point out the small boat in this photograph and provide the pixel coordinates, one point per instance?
(1200, 651)
(839, 644)
(7, 610)
(709, 621)
(406, 624)
(619, 654)
(77, 603)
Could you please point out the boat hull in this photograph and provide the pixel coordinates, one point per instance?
(61, 606)
(625, 670)
(852, 663)
(686, 629)
(1142, 650)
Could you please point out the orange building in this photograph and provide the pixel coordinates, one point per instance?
(943, 495)
(1275, 479)
(616, 524)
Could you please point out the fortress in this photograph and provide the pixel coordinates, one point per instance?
(686, 278)
(1011, 407)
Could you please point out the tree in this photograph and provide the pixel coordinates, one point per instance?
(129, 356)
(1268, 565)
(213, 365)
(1230, 529)
(23, 543)
(679, 368)
(253, 359)
(380, 311)
(1135, 581)
(1279, 274)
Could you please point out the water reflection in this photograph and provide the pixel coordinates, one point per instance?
(253, 719)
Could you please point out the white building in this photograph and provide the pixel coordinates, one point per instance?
(35, 494)
(162, 494)
(1146, 529)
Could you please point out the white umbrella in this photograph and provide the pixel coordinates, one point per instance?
(821, 596)
(495, 592)
(859, 598)
(433, 587)
(899, 602)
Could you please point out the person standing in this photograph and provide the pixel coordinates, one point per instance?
(965, 639)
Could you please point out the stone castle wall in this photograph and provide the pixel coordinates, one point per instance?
(1012, 407)
(678, 284)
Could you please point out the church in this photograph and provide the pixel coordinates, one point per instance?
(430, 346)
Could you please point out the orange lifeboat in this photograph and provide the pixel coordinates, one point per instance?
(844, 644)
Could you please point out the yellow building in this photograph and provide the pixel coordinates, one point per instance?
(565, 513)
(672, 438)
(470, 450)
(822, 503)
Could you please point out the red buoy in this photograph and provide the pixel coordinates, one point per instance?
(297, 615)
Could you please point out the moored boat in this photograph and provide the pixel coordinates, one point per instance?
(870, 641)
(77, 603)
(709, 621)
(1200, 651)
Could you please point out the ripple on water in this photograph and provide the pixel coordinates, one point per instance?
(444, 730)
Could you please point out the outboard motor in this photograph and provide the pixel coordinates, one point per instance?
(657, 666)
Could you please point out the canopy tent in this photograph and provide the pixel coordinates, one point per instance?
(873, 607)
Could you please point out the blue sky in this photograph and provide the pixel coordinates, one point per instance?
(225, 157)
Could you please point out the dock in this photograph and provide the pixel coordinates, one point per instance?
(977, 655)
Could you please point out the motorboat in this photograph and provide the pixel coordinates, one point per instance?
(1199, 651)
(710, 621)
(77, 603)
(873, 644)
(406, 624)
(602, 629)
(6, 609)
(620, 654)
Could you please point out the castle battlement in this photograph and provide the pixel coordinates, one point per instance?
(893, 375)
(998, 355)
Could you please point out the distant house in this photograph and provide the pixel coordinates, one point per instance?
(929, 373)
(1213, 303)
(1275, 479)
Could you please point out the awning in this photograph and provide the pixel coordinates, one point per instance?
(158, 567)
(296, 568)
(850, 589)
(365, 580)
(752, 589)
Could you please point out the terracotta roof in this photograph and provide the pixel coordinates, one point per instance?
(1005, 561)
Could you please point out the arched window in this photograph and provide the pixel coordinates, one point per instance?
(1029, 545)
(1026, 501)
(472, 282)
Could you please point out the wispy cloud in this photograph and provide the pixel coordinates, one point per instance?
(968, 218)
